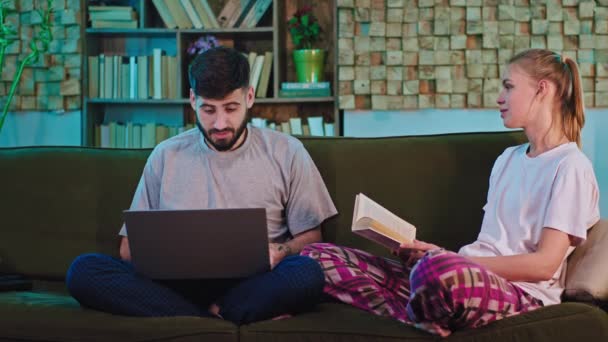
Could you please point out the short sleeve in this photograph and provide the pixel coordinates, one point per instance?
(309, 203)
(147, 194)
(574, 204)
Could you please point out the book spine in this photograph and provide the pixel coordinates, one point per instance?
(304, 93)
(132, 77)
(300, 85)
(157, 67)
(191, 13)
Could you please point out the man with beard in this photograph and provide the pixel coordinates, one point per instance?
(223, 163)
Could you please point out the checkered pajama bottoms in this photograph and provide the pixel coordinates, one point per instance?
(440, 293)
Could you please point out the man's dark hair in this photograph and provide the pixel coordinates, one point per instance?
(218, 72)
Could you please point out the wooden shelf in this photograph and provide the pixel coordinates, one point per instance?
(137, 101)
(268, 100)
(272, 36)
(157, 31)
(294, 99)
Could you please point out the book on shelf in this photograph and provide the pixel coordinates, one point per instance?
(101, 62)
(315, 123)
(157, 75)
(305, 130)
(256, 72)
(206, 13)
(329, 129)
(262, 90)
(251, 59)
(165, 14)
(296, 126)
(142, 77)
(126, 14)
(286, 127)
(134, 77)
(115, 17)
(312, 126)
(133, 92)
(124, 24)
(162, 133)
(259, 122)
(233, 12)
(376, 223)
(179, 14)
(194, 17)
(305, 85)
(148, 135)
(93, 76)
(115, 76)
(136, 142)
(134, 135)
(256, 12)
(125, 80)
(110, 8)
(304, 93)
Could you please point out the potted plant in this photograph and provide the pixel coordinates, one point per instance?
(304, 30)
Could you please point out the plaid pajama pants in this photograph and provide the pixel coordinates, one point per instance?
(441, 293)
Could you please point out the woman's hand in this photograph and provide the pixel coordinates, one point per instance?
(411, 252)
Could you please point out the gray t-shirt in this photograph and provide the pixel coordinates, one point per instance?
(270, 170)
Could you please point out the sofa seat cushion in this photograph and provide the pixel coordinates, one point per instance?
(339, 322)
(49, 316)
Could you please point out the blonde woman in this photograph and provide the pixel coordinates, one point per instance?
(542, 198)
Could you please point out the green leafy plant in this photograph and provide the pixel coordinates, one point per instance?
(304, 28)
(38, 46)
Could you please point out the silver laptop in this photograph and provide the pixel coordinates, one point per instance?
(198, 244)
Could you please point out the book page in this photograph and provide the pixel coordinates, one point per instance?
(369, 215)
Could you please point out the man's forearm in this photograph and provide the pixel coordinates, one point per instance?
(295, 245)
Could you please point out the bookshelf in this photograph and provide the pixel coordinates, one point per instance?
(269, 35)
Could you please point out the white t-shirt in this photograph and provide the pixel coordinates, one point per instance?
(556, 189)
(269, 170)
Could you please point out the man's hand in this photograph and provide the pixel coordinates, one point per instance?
(411, 252)
(278, 251)
(125, 250)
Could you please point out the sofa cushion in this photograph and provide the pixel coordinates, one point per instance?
(339, 322)
(587, 274)
(48, 316)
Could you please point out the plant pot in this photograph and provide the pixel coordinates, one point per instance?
(309, 64)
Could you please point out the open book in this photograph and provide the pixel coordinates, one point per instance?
(374, 222)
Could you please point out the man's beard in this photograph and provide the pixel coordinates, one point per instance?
(223, 145)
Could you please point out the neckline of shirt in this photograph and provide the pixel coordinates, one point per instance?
(547, 154)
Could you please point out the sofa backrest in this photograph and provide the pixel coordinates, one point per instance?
(59, 202)
(438, 183)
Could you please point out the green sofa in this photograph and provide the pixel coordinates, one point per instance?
(59, 202)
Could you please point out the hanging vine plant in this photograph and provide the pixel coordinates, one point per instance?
(38, 46)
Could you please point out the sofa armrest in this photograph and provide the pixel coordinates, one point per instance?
(586, 274)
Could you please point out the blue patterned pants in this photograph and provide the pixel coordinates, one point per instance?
(111, 285)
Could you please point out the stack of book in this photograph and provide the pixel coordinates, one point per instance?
(299, 89)
(115, 17)
(186, 14)
(133, 77)
(243, 13)
(134, 135)
(260, 66)
(313, 126)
